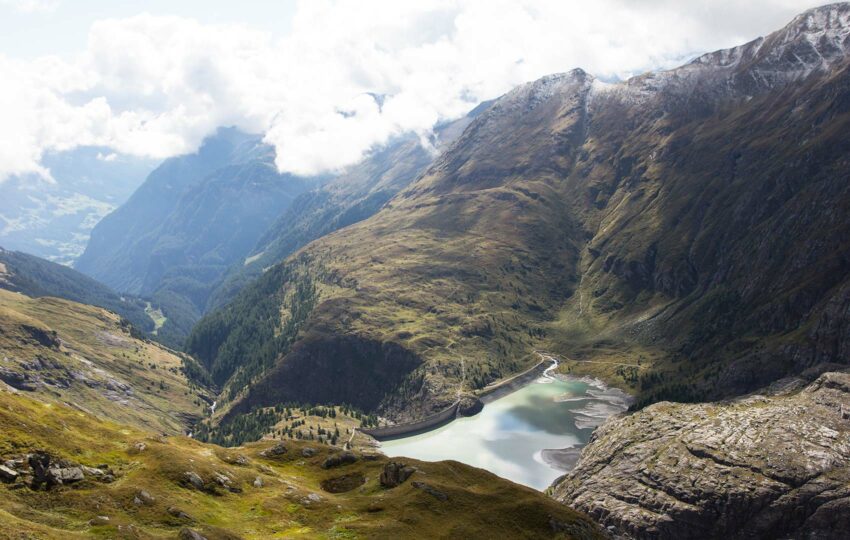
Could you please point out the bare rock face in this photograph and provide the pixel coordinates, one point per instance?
(277, 450)
(763, 466)
(395, 473)
(336, 460)
(469, 406)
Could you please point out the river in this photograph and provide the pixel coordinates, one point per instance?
(530, 436)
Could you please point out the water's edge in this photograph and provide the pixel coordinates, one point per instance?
(543, 423)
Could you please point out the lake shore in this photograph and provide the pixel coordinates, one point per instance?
(602, 402)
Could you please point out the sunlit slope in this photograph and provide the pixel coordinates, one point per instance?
(87, 358)
(168, 487)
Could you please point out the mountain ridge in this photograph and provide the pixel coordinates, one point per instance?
(573, 217)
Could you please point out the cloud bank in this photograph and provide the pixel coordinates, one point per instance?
(345, 79)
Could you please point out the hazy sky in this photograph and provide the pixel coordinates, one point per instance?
(153, 78)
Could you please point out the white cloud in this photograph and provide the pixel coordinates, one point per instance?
(155, 85)
(32, 6)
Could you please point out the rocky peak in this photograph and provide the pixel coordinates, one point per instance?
(527, 97)
(815, 40)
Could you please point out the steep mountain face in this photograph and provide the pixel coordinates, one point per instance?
(764, 466)
(693, 221)
(53, 219)
(37, 277)
(353, 196)
(62, 352)
(193, 218)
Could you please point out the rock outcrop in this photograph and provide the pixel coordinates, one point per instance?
(763, 466)
(42, 469)
(336, 460)
(395, 473)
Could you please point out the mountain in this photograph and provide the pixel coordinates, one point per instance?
(353, 196)
(36, 277)
(53, 218)
(67, 474)
(682, 233)
(771, 465)
(193, 218)
(84, 357)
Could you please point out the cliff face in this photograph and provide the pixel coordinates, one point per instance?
(775, 465)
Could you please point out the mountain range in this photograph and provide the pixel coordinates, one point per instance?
(682, 235)
(692, 219)
(52, 217)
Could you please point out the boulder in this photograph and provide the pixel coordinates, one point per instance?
(39, 462)
(234, 459)
(222, 479)
(193, 480)
(99, 520)
(308, 452)
(137, 448)
(258, 482)
(65, 475)
(395, 474)
(336, 460)
(277, 450)
(8, 475)
(431, 490)
(312, 498)
(176, 512)
(188, 534)
(142, 497)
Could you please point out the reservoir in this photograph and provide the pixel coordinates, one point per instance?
(531, 436)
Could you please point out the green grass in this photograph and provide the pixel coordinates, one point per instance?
(480, 504)
(97, 364)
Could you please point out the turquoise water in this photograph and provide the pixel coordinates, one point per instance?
(510, 435)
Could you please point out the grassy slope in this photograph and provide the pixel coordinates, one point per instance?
(479, 504)
(92, 362)
(34, 276)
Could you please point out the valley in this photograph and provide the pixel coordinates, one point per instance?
(615, 225)
(592, 307)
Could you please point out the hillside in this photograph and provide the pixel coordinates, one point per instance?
(356, 194)
(194, 217)
(84, 357)
(121, 482)
(36, 277)
(690, 224)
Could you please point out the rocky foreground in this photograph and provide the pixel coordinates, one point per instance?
(764, 466)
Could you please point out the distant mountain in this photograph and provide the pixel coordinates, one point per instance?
(682, 233)
(37, 277)
(353, 196)
(204, 225)
(194, 217)
(53, 219)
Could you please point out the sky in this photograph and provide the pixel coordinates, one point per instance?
(154, 78)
